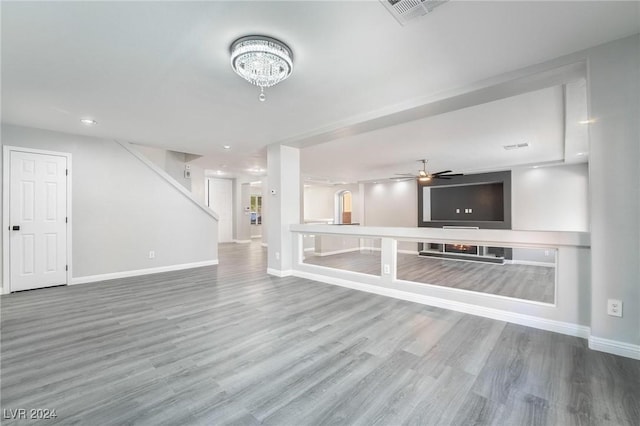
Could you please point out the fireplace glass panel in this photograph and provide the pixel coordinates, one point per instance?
(522, 273)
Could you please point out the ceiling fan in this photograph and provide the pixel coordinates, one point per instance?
(424, 176)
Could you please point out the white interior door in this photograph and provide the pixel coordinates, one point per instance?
(220, 199)
(37, 217)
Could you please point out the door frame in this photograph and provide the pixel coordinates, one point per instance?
(6, 189)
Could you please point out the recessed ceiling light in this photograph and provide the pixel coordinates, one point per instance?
(219, 172)
(580, 154)
(226, 146)
(585, 122)
(88, 121)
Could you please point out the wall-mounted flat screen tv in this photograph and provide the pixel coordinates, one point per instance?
(483, 202)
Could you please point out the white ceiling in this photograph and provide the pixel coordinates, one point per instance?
(158, 73)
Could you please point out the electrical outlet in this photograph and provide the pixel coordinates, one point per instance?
(387, 269)
(152, 254)
(614, 308)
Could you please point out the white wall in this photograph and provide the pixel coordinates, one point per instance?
(174, 164)
(391, 204)
(319, 202)
(170, 161)
(550, 198)
(122, 209)
(221, 201)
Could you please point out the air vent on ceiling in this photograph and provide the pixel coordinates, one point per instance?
(516, 146)
(407, 10)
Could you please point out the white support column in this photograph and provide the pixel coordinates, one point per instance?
(284, 206)
(614, 182)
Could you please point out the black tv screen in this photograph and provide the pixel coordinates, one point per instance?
(479, 202)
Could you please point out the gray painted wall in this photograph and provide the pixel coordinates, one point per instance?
(319, 201)
(551, 198)
(122, 209)
(391, 204)
(174, 164)
(614, 105)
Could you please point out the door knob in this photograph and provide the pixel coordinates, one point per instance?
(15, 228)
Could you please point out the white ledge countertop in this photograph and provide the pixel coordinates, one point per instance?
(480, 236)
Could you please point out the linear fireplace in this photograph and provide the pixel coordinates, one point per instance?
(460, 248)
(460, 251)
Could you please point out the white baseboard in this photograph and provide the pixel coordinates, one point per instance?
(309, 249)
(497, 314)
(409, 252)
(330, 253)
(614, 347)
(530, 263)
(242, 241)
(138, 272)
(279, 273)
(256, 236)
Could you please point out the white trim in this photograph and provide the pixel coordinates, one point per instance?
(264, 244)
(129, 147)
(138, 272)
(279, 273)
(242, 241)
(309, 249)
(330, 253)
(530, 263)
(5, 286)
(256, 236)
(485, 237)
(570, 329)
(614, 347)
(399, 251)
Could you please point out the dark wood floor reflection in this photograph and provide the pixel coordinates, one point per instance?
(232, 345)
(536, 283)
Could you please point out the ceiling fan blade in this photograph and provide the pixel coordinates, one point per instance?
(441, 173)
(452, 174)
(441, 177)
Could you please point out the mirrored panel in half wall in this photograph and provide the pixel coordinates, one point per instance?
(521, 273)
(341, 252)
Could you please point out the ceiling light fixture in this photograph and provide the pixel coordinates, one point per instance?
(226, 146)
(88, 121)
(585, 121)
(262, 61)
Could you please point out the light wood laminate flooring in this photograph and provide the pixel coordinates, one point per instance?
(231, 345)
(527, 282)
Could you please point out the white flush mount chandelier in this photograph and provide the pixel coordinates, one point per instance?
(262, 61)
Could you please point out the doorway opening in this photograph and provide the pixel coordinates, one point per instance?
(343, 207)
